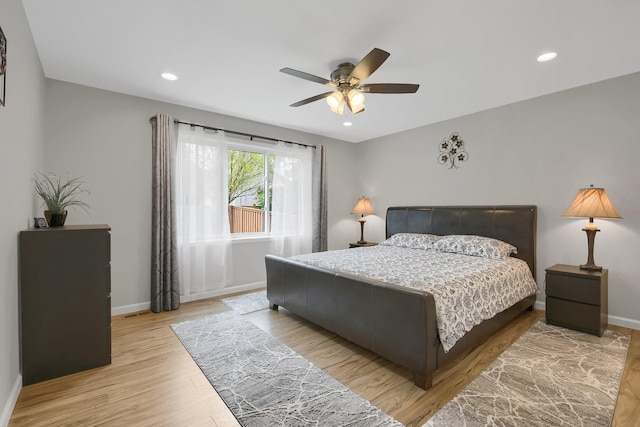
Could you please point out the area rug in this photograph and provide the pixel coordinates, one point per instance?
(247, 303)
(266, 383)
(550, 376)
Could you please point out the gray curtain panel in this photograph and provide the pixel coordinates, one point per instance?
(165, 287)
(319, 199)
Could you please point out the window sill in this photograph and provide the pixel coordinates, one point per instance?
(250, 239)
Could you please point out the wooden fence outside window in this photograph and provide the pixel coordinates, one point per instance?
(243, 219)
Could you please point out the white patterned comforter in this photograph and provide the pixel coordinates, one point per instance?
(466, 289)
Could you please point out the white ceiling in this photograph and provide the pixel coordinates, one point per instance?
(467, 55)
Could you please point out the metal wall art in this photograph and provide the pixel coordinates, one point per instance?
(452, 151)
(3, 66)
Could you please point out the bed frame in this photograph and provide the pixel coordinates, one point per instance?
(395, 322)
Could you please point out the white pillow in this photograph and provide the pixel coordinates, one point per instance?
(411, 240)
(475, 246)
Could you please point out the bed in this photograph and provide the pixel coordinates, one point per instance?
(399, 322)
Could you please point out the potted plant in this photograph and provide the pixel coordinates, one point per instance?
(58, 194)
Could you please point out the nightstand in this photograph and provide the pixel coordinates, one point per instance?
(360, 245)
(577, 299)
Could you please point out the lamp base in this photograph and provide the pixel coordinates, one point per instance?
(591, 267)
(591, 236)
(362, 221)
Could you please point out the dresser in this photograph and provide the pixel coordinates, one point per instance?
(65, 300)
(577, 299)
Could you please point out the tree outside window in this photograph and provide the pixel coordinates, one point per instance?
(249, 174)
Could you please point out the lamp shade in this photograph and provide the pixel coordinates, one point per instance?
(591, 203)
(363, 207)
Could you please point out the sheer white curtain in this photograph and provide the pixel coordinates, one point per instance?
(202, 216)
(291, 219)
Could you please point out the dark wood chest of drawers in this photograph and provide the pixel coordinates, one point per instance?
(65, 300)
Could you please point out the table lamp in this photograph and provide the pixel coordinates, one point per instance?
(362, 208)
(591, 203)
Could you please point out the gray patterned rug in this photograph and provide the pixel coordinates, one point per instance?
(265, 383)
(550, 376)
(248, 303)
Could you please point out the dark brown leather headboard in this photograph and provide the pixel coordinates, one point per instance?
(511, 224)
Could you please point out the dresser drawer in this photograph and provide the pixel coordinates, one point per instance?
(581, 317)
(573, 288)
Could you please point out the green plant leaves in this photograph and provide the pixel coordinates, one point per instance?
(58, 194)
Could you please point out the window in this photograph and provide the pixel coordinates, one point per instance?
(227, 187)
(250, 187)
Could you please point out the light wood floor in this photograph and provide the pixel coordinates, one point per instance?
(153, 381)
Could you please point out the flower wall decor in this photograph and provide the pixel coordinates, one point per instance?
(452, 151)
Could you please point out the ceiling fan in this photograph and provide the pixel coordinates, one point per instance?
(347, 80)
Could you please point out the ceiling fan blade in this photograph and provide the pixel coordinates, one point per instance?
(390, 88)
(369, 64)
(306, 76)
(312, 99)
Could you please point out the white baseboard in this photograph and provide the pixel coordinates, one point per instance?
(224, 291)
(623, 321)
(539, 305)
(7, 410)
(613, 320)
(132, 308)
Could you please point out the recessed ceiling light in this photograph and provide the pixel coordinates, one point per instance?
(547, 56)
(347, 124)
(169, 76)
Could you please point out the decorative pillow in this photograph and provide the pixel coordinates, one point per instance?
(475, 246)
(411, 240)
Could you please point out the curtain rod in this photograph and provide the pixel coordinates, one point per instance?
(251, 136)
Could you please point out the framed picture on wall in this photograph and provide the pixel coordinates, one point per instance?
(3, 66)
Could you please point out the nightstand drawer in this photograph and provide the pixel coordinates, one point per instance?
(573, 288)
(581, 317)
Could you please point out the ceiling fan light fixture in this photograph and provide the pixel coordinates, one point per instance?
(356, 98)
(355, 109)
(335, 99)
(336, 102)
(346, 82)
(339, 109)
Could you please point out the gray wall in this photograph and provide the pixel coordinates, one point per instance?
(539, 151)
(105, 138)
(21, 154)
